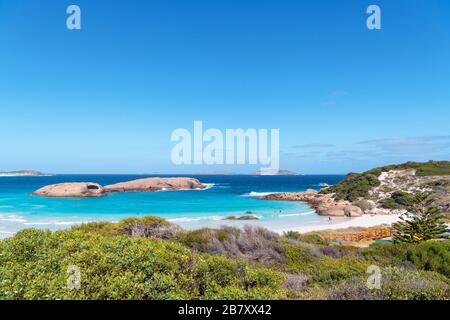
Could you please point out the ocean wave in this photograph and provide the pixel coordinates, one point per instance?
(208, 186)
(38, 223)
(255, 194)
(297, 214)
(323, 184)
(12, 218)
(191, 219)
(56, 223)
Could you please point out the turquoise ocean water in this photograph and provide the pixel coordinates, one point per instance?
(225, 196)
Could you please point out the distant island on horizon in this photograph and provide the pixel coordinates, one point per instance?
(22, 173)
(270, 172)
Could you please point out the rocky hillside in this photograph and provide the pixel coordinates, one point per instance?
(384, 190)
(389, 187)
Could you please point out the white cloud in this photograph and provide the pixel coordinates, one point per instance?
(410, 145)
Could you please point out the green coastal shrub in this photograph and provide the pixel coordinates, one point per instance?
(382, 254)
(428, 256)
(353, 187)
(225, 263)
(399, 200)
(396, 284)
(330, 270)
(34, 265)
(430, 168)
(220, 278)
(148, 226)
(299, 259)
(312, 238)
(201, 238)
(102, 228)
(357, 185)
(322, 268)
(431, 255)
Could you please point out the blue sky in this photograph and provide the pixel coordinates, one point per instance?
(106, 98)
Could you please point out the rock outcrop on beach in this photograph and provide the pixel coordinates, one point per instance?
(324, 205)
(380, 191)
(72, 190)
(156, 184)
(408, 181)
(241, 218)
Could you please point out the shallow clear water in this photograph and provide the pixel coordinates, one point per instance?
(228, 195)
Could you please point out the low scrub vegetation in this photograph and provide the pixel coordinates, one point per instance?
(34, 265)
(149, 258)
(430, 168)
(357, 185)
(399, 200)
(353, 187)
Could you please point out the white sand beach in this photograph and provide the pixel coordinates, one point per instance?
(336, 223)
(6, 234)
(342, 223)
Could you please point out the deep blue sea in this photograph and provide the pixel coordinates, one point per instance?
(227, 195)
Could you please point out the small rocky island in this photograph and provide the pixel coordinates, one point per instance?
(22, 173)
(156, 184)
(72, 190)
(380, 191)
(271, 172)
(91, 189)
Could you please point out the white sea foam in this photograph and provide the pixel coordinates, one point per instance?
(191, 219)
(68, 223)
(56, 223)
(39, 206)
(323, 184)
(208, 186)
(12, 218)
(38, 223)
(255, 194)
(297, 214)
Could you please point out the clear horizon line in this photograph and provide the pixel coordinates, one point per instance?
(191, 173)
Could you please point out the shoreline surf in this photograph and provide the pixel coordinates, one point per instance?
(231, 195)
(335, 224)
